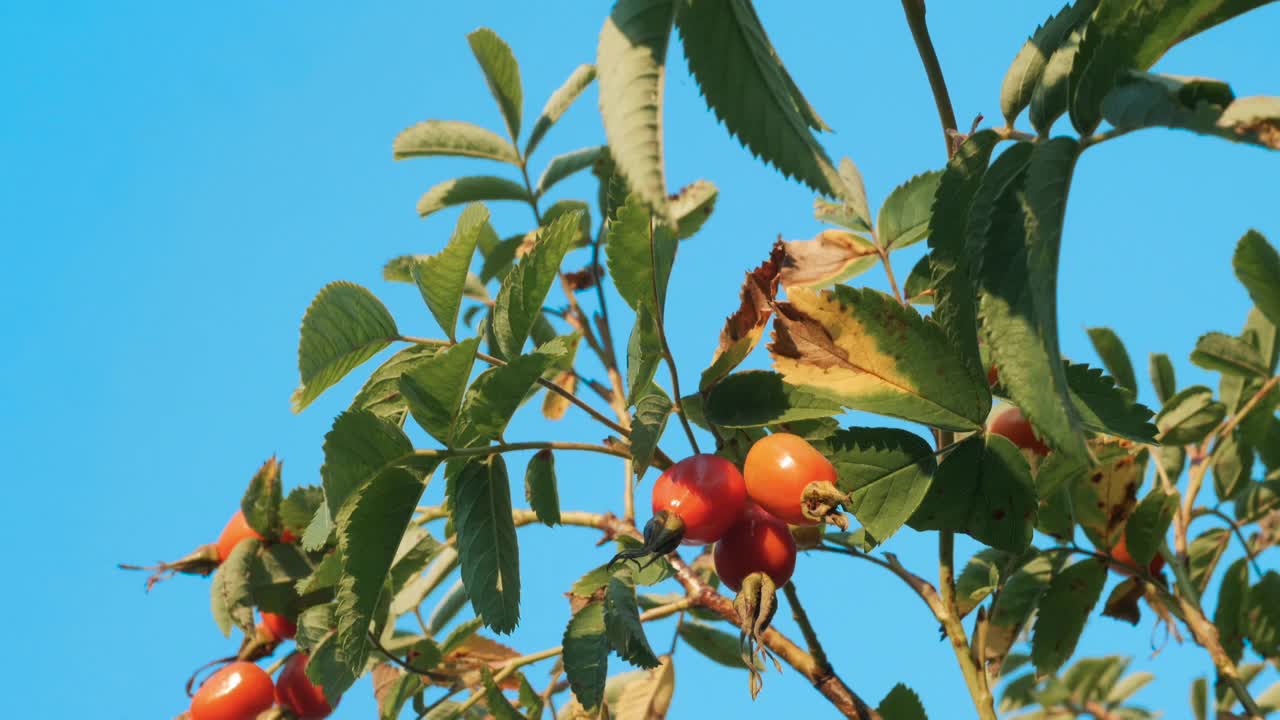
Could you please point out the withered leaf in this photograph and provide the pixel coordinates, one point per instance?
(743, 329)
(831, 257)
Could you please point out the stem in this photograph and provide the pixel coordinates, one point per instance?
(915, 12)
(888, 271)
(1105, 136)
(508, 667)
(628, 491)
(806, 628)
(660, 320)
(486, 450)
(1236, 530)
(1206, 634)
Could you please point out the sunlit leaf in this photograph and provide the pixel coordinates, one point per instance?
(480, 502)
(905, 215)
(830, 258)
(501, 73)
(1114, 357)
(525, 288)
(469, 189)
(451, 137)
(984, 489)
(886, 472)
(559, 102)
(345, 326)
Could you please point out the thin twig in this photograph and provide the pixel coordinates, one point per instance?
(915, 12)
(888, 272)
(661, 321)
(1236, 530)
(806, 628)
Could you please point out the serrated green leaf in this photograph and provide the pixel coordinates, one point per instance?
(640, 253)
(1024, 74)
(1018, 291)
(326, 669)
(559, 102)
(905, 215)
(1022, 593)
(691, 207)
(918, 288)
(231, 591)
(416, 550)
(984, 489)
(433, 387)
(631, 60)
(1228, 616)
(480, 502)
(1232, 466)
(344, 326)
(901, 703)
(952, 276)
(494, 397)
(1147, 526)
(622, 622)
(1162, 377)
(829, 258)
(1114, 357)
(1203, 555)
(563, 166)
(1189, 416)
(886, 473)
(262, 500)
(358, 446)
(1063, 611)
(644, 353)
(501, 73)
(653, 409)
(540, 488)
(755, 398)
(525, 288)
(451, 137)
(298, 507)
(1258, 499)
(1257, 265)
(586, 654)
(441, 277)
(381, 392)
(1262, 615)
(469, 189)
(1105, 408)
(745, 84)
(861, 348)
(370, 525)
(981, 576)
(1052, 94)
(715, 645)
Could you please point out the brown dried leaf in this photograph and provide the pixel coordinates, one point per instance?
(554, 405)
(743, 329)
(1104, 499)
(584, 279)
(385, 676)
(831, 257)
(1123, 602)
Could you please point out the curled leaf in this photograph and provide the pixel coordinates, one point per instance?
(831, 257)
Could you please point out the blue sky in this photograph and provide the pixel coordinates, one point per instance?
(179, 179)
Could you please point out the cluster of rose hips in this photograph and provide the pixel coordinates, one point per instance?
(241, 690)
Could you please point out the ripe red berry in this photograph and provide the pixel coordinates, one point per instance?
(239, 690)
(1012, 424)
(279, 626)
(758, 542)
(237, 529)
(296, 692)
(705, 492)
(779, 468)
(1120, 553)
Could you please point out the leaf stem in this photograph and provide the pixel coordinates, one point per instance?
(888, 271)
(975, 676)
(806, 628)
(486, 450)
(660, 318)
(915, 12)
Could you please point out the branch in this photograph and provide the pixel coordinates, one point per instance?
(915, 12)
(975, 675)
(806, 628)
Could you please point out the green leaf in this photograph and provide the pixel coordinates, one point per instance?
(327, 670)
(540, 487)
(416, 551)
(715, 645)
(525, 288)
(1053, 93)
(653, 409)
(1257, 500)
(830, 258)
(1257, 265)
(1105, 408)
(563, 166)
(1128, 686)
(1262, 615)
(502, 73)
(918, 288)
(262, 500)
(370, 524)
(981, 576)
(1162, 377)
(949, 258)
(1018, 295)
(886, 473)
(1189, 416)
(494, 397)
(631, 59)
(1024, 75)
(433, 388)
(863, 349)
(1114, 357)
(1232, 466)
(1147, 526)
(441, 277)
(358, 446)
(472, 188)
(1228, 616)
(755, 398)
(905, 216)
(745, 84)
(1203, 106)
(640, 254)
(984, 489)
(586, 654)
(1200, 698)
(231, 591)
(381, 392)
(851, 211)
(644, 353)
(298, 507)
(496, 703)
(622, 622)
(344, 326)
(559, 102)
(530, 701)
(1203, 555)
(901, 703)
(692, 205)
(1063, 611)
(452, 138)
(1022, 593)
(480, 501)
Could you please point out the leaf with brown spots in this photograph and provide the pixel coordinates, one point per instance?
(863, 349)
(1106, 495)
(1063, 611)
(831, 257)
(742, 330)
